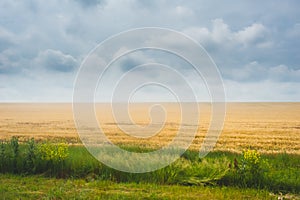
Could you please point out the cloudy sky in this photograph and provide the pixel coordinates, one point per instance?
(255, 44)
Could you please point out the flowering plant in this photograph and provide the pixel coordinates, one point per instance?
(53, 152)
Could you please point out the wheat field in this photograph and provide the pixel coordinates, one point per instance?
(267, 127)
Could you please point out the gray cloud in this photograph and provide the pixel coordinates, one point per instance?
(134, 59)
(249, 45)
(256, 72)
(56, 61)
(6, 39)
(90, 3)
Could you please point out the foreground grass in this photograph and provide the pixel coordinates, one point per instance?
(275, 173)
(38, 187)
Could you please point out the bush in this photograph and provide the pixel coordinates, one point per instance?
(53, 152)
(30, 157)
(14, 143)
(251, 161)
(3, 157)
(249, 171)
(54, 155)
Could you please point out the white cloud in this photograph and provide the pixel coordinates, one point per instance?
(222, 35)
(257, 72)
(220, 31)
(267, 90)
(201, 34)
(183, 11)
(251, 34)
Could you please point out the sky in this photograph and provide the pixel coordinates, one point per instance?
(254, 44)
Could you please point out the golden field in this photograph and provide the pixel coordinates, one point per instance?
(268, 127)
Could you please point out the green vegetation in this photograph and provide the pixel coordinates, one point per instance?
(39, 187)
(219, 171)
(250, 172)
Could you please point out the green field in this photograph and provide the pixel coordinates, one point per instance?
(57, 171)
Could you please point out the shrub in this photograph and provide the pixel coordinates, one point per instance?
(54, 155)
(249, 171)
(14, 142)
(3, 157)
(53, 152)
(30, 156)
(251, 162)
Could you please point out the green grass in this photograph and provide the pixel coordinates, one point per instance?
(276, 173)
(38, 187)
